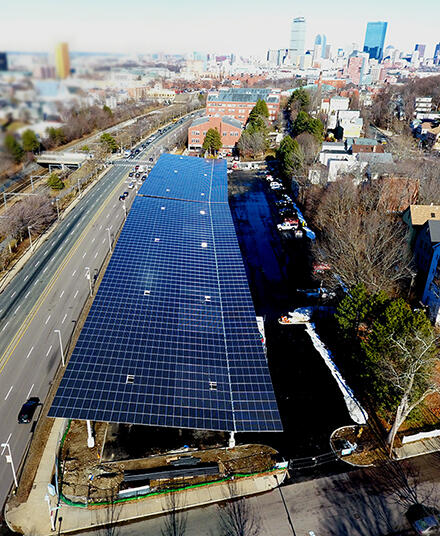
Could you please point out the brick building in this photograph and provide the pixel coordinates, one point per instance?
(229, 128)
(238, 102)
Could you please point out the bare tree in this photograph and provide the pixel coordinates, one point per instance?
(34, 211)
(109, 515)
(409, 367)
(175, 521)
(237, 517)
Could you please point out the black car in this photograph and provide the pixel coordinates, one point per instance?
(131, 174)
(137, 151)
(137, 175)
(28, 409)
(150, 159)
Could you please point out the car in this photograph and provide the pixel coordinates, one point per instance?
(285, 226)
(125, 194)
(423, 519)
(292, 221)
(131, 185)
(269, 178)
(131, 174)
(275, 185)
(137, 175)
(121, 197)
(137, 151)
(150, 159)
(229, 171)
(143, 177)
(136, 167)
(27, 410)
(287, 198)
(282, 203)
(285, 212)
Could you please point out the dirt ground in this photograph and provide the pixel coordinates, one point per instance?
(85, 477)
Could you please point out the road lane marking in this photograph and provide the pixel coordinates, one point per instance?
(94, 238)
(9, 392)
(48, 352)
(44, 271)
(15, 312)
(61, 295)
(13, 294)
(76, 294)
(6, 442)
(5, 326)
(27, 294)
(85, 253)
(36, 282)
(96, 254)
(72, 232)
(46, 252)
(30, 351)
(62, 322)
(37, 263)
(8, 352)
(74, 272)
(103, 241)
(100, 227)
(48, 318)
(26, 277)
(30, 391)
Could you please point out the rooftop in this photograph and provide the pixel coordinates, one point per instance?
(243, 95)
(420, 214)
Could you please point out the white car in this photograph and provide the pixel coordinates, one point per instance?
(285, 226)
(131, 185)
(275, 185)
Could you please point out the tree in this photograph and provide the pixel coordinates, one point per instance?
(109, 142)
(107, 110)
(298, 101)
(56, 136)
(14, 148)
(305, 123)
(261, 108)
(54, 181)
(237, 518)
(252, 143)
(212, 142)
(175, 521)
(30, 141)
(85, 149)
(289, 157)
(34, 210)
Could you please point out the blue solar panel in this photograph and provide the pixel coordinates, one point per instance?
(171, 339)
(189, 179)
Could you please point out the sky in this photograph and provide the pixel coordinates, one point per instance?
(246, 27)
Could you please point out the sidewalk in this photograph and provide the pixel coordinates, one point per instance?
(32, 517)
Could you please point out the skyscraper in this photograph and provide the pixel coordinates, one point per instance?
(437, 54)
(375, 39)
(421, 50)
(297, 38)
(62, 61)
(321, 39)
(3, 61)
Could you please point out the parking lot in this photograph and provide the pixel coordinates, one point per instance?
(277, 263)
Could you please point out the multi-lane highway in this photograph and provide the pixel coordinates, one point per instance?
(48, 294)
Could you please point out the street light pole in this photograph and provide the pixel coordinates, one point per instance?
(61, 346)
(9, 460)
(79, 189)
(109, 239)
(125, 209)
(90, 279)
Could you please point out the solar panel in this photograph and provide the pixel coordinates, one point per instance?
(195, 179)
(171, 338)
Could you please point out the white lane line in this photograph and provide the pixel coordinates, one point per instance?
(48, 318)
(9, 392)
(114, 205)
(29, 353)
(108, 215)
(45, 269)
(100, 227)
(46, 252)
(110, 227)
(96, 254)
(48, 352)
(15, 312)
(36, 282)
(61, 295)
(6, 442)
(103, 241)
(13, 294)
(37, 263)
(30, 391)
(76, 294)
(74, 272)
(5, 326)
(94, 238)
(26, 278)
(27, 294)
(72, 232)
(62, 322)
(85, 253)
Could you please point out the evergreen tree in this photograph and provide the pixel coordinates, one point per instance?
(212, 142)
(14, 148)
(30, 141)
(289, 156)
(109, 142)
(300, 99)
(55, 182)
(261, 108)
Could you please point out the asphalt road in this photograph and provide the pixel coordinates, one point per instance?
(366, 502)
(48, 294)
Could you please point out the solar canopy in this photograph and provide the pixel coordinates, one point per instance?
(171, 338)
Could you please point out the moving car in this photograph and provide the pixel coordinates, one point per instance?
(285, 226)
(27, 410)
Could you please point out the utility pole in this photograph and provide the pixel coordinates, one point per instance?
(9, 460)
(90, 279)
(61, 346)
(30, 237)
(109, 239)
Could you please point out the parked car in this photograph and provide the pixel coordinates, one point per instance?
(275, 185)
(137, 175)
(285, 226)
(282, 203)
(285, 212)
(27, 410)
(292, 221)
(131, 174)
(143, 177)
(423, 519)
(131, 185)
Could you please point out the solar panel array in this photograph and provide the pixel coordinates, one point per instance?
(171, 338)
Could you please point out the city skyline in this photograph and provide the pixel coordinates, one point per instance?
(175, 28)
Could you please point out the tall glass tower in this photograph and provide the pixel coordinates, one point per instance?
(297, 38)
(375, 39)
(321, 39)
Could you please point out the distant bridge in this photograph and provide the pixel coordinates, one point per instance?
(63, 159)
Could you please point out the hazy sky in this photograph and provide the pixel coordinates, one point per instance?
(241, 26)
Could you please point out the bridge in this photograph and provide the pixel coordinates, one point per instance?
(63, 160)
